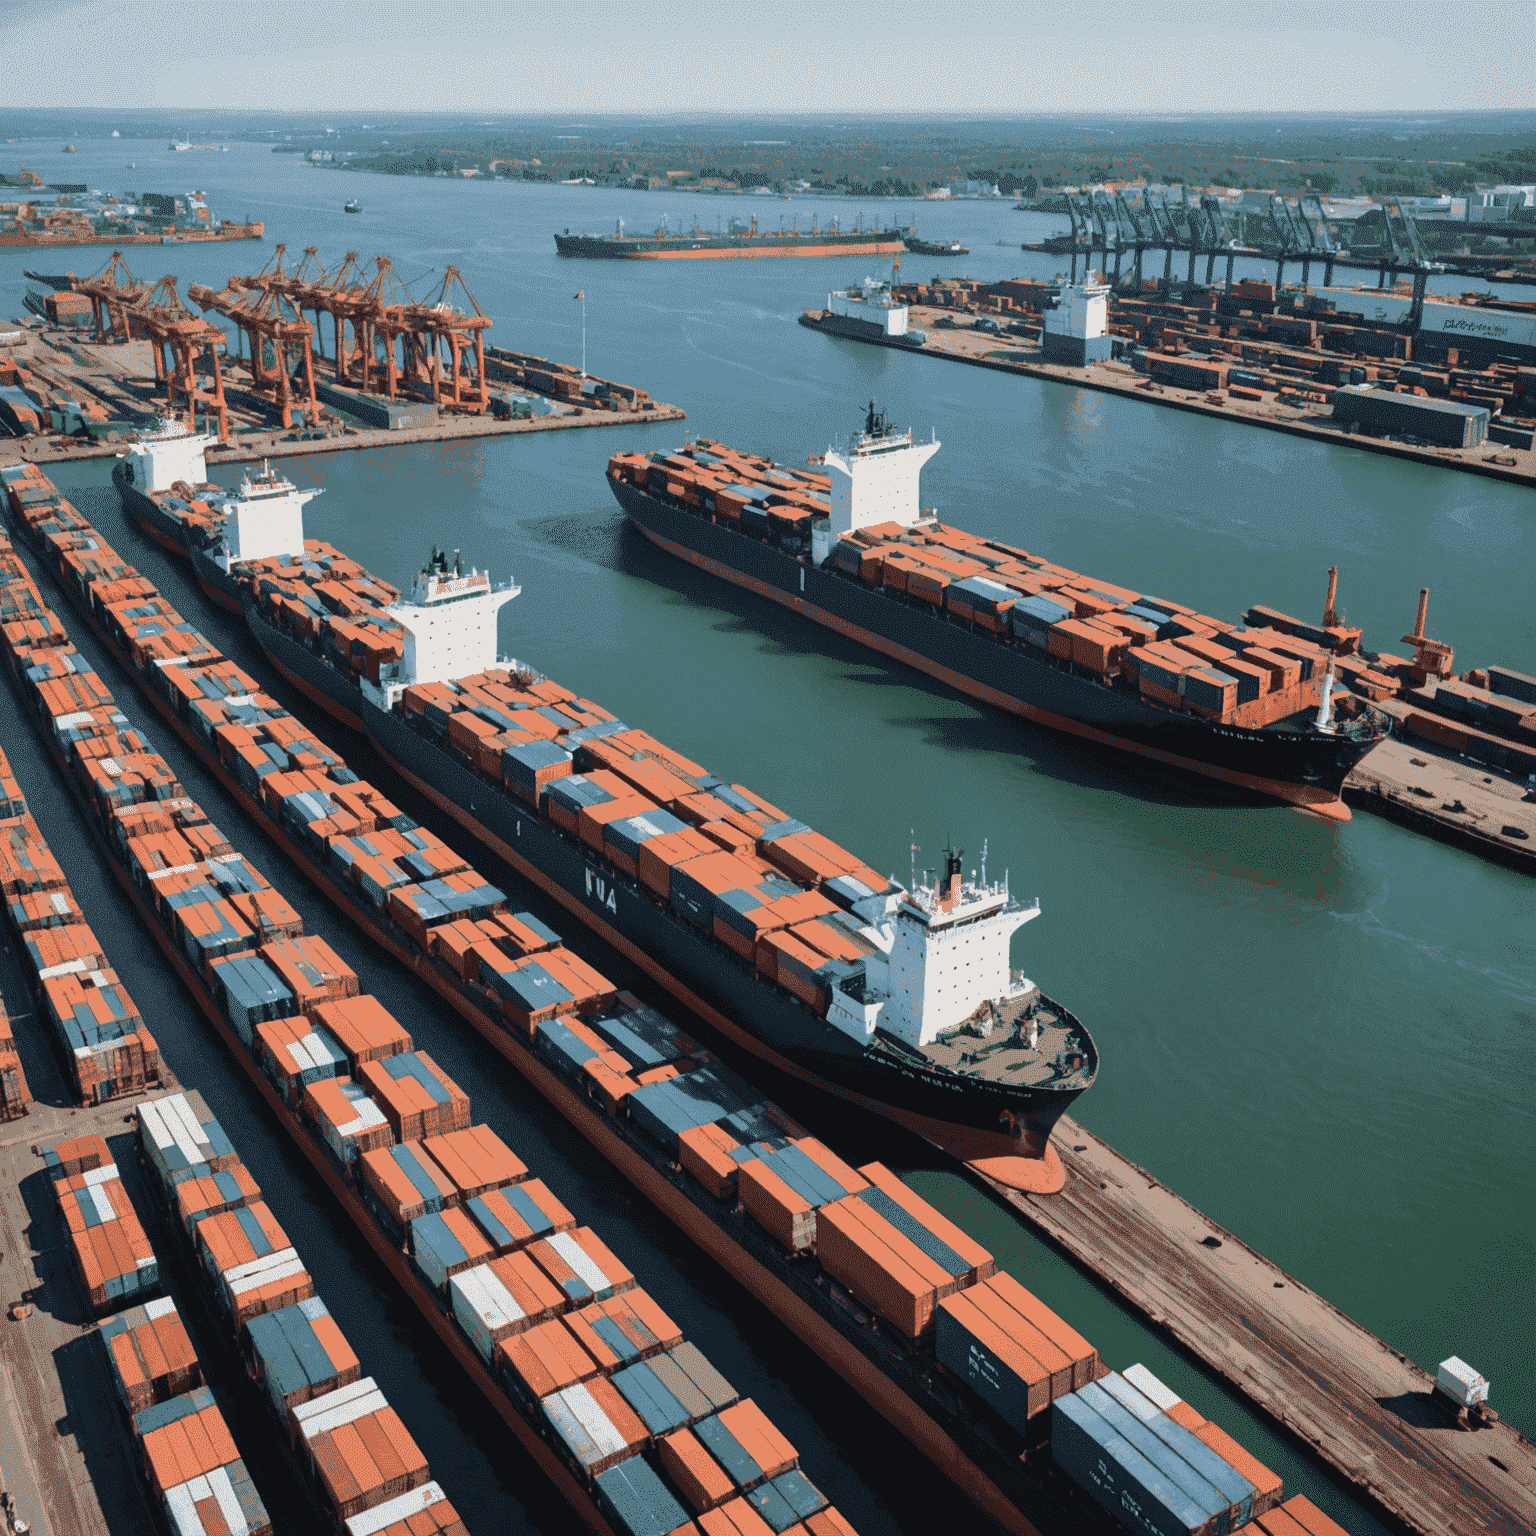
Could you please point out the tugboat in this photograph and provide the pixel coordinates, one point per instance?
(351, 206)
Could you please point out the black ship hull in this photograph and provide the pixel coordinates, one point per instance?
(877, 242)
(1302, 768)
(154, 522)
(1004, 1130)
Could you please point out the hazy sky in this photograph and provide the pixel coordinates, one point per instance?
(794, 56)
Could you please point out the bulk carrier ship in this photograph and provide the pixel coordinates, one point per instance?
(852, 549)
(787, 944)
(740, 240)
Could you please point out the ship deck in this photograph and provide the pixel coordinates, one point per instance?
(1353, 1400)
(1004, 1054)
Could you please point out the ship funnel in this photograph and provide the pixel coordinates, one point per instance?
(954, 870)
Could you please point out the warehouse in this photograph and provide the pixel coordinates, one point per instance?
(1446, 423)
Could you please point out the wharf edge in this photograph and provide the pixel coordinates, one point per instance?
(1279, 1344)
(277, 445)
(1084, 378)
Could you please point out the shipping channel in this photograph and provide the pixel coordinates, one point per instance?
(1319, 1036)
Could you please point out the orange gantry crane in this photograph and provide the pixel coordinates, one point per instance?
(274, 339)
(446, 350)
(114, 292)
(181, 341)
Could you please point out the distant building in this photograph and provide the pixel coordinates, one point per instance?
(974, 189)
(1435, 209)
(1493, 205)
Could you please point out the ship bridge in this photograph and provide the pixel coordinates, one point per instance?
(450, 625)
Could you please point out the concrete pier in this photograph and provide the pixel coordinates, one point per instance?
(1011, 354)
(1356, 1403)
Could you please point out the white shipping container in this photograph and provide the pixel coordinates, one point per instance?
(1460, 1382)
(485, 1308)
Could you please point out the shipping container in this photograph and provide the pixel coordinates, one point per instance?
(294, 1053)
(518, 1215)
(1236, 1489)
(502, 1297)
(637, 1502)
(581, 1266)
(255, 1269)
(348, 1120)
(418, 1098)
(361, 1453)
(150, 1354)
(746, 1445)
(364, 1028)
(226, 1189)
(476, 1160)
(444, 1243)
(298, 1353)
(422, 1511)
(1114, 1472)
(594, 1425)
(403, 1182)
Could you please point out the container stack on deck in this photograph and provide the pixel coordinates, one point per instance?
(259, 1292)
(96, 1024)
(184, 1449)
(1175, 657)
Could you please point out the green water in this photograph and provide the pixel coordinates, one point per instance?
(1321, 1036)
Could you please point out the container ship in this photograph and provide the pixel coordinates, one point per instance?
(852, 549)
(791, 946)
(628, 1420)
(740, 240)
(162, 482)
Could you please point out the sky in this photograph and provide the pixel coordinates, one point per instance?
(792, 56)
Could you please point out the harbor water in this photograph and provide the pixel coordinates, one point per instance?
(1322, 1036)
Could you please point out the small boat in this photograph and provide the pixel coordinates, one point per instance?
(936, 247)
(351, 206)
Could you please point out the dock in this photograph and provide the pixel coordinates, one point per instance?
(1009, 354)
(65, 1450)
(1354, 1402)
(1448, 796)
(120, 378)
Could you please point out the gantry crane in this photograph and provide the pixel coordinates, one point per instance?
(180, 340)
(439, 327)
(114, 292)
(273, 340)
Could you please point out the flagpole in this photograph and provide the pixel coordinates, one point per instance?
(583, 333)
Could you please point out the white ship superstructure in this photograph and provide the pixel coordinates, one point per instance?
(871, 304)
(449, 626)
(1076, 329)
(875, 480)
(265, 517)
(157, 459)
(940, 960)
